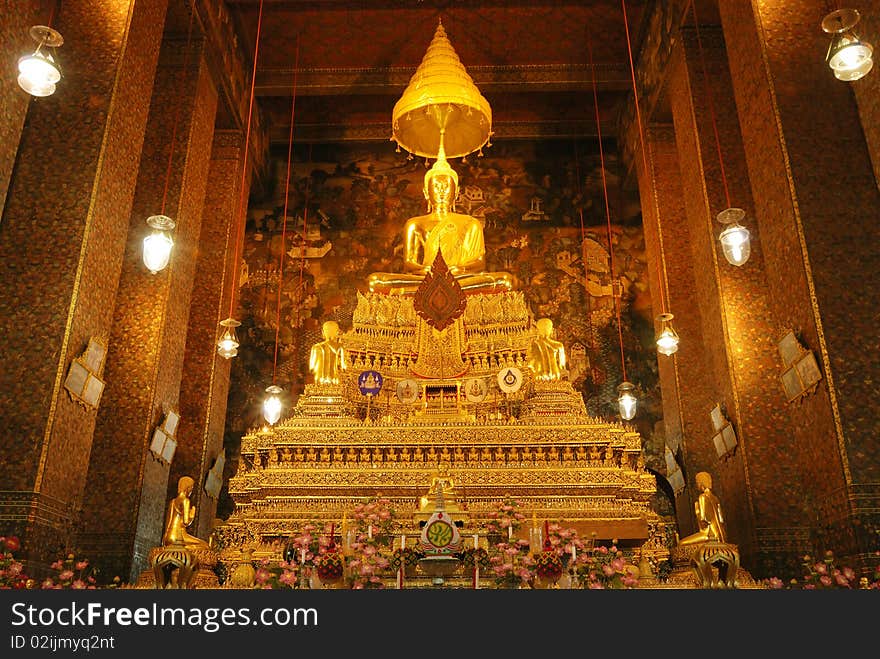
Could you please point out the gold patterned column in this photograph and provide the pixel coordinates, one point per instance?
(146, 349)
(64, 233)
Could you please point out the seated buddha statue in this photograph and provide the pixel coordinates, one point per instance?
(457, 236)
(327, 358)
(708, 511)
(181, 513)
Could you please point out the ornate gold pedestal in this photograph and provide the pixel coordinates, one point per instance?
(181, 567)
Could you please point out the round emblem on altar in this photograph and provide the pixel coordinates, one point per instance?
(439, 534)
(476, 389)
(370, 383)
(407, 391)
(510, 379)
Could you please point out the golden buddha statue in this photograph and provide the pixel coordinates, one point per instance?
(709, 517)
(442, 482)
(327, 357)
(546, 355)
(181, 513)
(457, 236)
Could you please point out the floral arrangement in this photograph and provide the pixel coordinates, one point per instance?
(825, 574)
(375, 516)
(280, 576)
(510, 564)
(562, 541)
(11, 570)
(73, 573)
(604, 568)
(311, 541)
(366, 564)
(506, 520)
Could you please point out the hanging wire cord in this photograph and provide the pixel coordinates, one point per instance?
(176, 122)
(284, 221)
(616, 298)
(642, 140)
(239, 236)
(711, 101)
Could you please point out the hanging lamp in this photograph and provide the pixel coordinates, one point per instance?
(667, 337)
(272, 404)
(849, 57)
(39, 72)
(627, 403)
(735, 241)
(157, 245)
(227, 345)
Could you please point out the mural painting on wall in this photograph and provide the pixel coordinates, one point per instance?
(346, 210)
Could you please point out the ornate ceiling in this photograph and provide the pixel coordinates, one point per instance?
(353, 59)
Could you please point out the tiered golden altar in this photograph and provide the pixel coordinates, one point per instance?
(537, 444)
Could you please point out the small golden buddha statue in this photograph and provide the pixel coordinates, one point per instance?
(181, 513)
(458, 454)
(327, 358)
(325, 454)
(440, 481)
(546, 355)
(709, 517)
(458, 237)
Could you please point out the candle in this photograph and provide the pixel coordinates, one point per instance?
(403, 542)
(573, 553)
(510, 531)
(370, 531)
(302, 556)
(476, 541)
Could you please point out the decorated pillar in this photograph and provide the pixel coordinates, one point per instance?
(206, 385)
(814, 188)
(740, 314)
(685, 376)
(63, 236)
(146, 347)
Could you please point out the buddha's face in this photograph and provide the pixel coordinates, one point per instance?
(441, 189)
(330, 330)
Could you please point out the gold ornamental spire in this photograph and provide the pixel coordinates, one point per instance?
(441, 98)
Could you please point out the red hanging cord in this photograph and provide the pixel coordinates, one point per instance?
(632, 70)
(192, 14)
(711, 103)
(607, 206)
(284, 222)
(302, 254)
(239, 236)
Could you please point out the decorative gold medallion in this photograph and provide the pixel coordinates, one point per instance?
(439, 299)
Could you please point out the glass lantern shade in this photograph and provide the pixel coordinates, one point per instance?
(228, 344)
(849, 58)
(667, 338)
(272, 405)
(735, 241)
(157, 246)
(627, 403)
(39, 72)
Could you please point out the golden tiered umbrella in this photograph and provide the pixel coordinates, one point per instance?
(441, 102)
